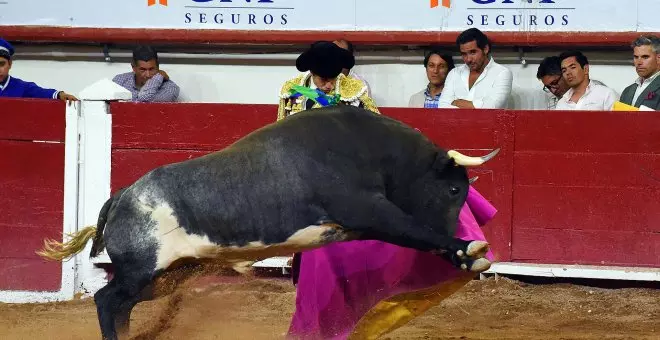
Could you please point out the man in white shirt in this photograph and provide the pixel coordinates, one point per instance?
(583, 94)
(480, 83)
(646, 89)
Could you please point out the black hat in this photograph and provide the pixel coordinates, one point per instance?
(325, 59)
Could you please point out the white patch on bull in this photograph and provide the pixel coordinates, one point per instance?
(175, 243)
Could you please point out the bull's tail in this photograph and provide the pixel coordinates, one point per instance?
(60, 251)
(98, 244)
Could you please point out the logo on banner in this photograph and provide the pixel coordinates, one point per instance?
(436, 3)
(153, 2)
(512, 14)
(247, 14)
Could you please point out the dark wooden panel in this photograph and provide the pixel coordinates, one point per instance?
(588, 131)
(32, 119)
(32, 184)
(466, 129)
(185, 126)
(128, 165)
(30, 275)
(31, 208)
(587, 188)
(587, 169)
(592, 247)
(604, 209)
(23, 242)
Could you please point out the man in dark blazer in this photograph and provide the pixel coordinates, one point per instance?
(646, 89)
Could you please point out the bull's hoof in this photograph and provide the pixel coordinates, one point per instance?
(476, 266)
(477, 249)
(480, 265)
(473, 257)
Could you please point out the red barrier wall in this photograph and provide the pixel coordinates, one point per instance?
(32, 191)
(587, 188)
(570, 187)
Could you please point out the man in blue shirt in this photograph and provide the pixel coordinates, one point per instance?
(17, 88)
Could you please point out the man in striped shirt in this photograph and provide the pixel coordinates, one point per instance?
(147, 82)
(437, 65)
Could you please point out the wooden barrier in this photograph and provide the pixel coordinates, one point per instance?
(570, 187)
(32, 191)
(587, 188)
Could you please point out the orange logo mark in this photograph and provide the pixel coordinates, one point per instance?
(436, 3)
(161, 2)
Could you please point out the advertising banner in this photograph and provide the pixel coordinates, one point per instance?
(340, 15)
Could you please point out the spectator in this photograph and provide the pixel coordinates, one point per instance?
(147, 82)
(17, 88)
(549, 73)
(345, 44)
(480, 82)
(437, 65)
(646, 89)
(583, 94)
(322, 65)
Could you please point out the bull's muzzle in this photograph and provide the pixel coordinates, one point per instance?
(464, 160)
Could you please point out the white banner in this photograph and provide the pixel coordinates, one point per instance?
(348, 15)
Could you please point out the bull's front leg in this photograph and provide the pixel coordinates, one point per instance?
(376, 218)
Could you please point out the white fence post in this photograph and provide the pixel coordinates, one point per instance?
(94, 169)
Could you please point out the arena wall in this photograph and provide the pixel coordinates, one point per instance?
(571, 188)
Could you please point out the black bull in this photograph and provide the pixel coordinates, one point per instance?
(321, 176)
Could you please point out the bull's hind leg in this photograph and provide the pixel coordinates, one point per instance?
(376, 218)
(115, 301)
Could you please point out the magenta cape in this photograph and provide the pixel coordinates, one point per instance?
(341, 282)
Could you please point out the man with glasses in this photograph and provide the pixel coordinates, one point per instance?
(549, 73)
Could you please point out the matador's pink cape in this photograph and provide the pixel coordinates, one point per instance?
(363, 289)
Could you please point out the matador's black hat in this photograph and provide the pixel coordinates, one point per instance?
(325, 59)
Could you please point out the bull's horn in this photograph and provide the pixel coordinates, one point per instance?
(464, 160)
(474, 179)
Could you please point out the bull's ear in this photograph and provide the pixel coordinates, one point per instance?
(442, 162)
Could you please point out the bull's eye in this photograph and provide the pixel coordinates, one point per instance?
(454, 191)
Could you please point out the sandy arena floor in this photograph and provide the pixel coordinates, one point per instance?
(261, 309)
